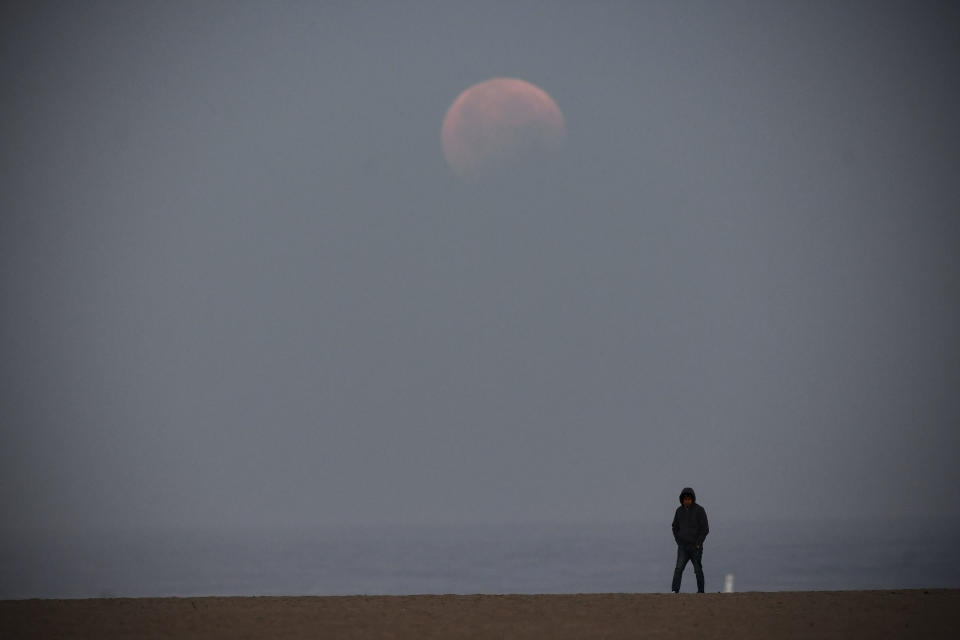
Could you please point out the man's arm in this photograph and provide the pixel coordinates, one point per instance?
(704, 527)
(676, 525)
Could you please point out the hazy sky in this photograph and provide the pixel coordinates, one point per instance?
(241, 286)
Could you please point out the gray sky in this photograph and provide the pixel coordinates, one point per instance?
(240, 285)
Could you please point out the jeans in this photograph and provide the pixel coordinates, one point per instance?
(687, 553)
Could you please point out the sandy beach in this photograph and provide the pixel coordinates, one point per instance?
(818, 614)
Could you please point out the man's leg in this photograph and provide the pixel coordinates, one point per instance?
(696, 556)
(682, 559)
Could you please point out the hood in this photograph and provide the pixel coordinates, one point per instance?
(688, 490)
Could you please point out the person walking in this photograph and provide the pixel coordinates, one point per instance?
(690, 528)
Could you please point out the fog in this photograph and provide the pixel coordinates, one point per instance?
(241, 287)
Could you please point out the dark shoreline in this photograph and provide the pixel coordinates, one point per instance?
(927, 613)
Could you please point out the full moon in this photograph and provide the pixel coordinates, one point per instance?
(498, 124)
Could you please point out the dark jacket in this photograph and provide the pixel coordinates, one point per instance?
(690, 523)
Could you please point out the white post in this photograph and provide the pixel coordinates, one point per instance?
(728, 583)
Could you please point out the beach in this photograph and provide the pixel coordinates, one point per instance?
(812, 614)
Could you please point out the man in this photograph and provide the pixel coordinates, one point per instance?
(690, 528)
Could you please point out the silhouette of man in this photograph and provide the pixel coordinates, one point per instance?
(690, 528)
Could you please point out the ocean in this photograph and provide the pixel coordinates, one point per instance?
(412, 559)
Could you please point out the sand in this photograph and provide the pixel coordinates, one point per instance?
(817, 614)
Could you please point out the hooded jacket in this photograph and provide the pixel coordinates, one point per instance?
(690, 526)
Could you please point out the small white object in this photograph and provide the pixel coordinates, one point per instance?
(728, 583)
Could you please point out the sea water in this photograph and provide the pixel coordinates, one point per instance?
(507, 558)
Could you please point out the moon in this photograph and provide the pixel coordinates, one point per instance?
(499, 124)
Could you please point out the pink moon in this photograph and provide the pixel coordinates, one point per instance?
(501, 122)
